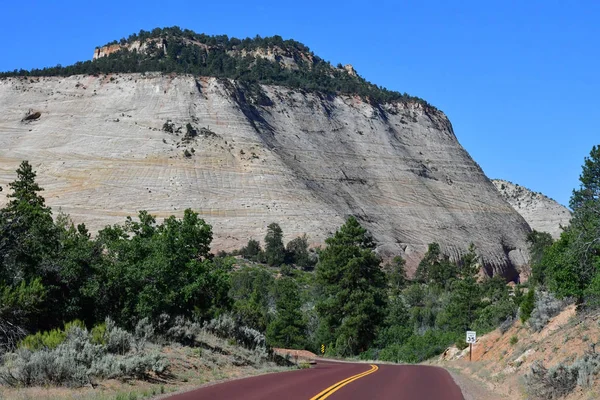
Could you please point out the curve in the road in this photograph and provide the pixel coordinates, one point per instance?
(337, 381)
(337, 386)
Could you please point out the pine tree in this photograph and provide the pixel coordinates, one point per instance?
(527, 305)
(353, 288)
(274, 249)
(28, 236)
(396, 274)
(289, 325)
(468, 265)
(436, 268)
(462, 308)
(297, 252)
(570, 265)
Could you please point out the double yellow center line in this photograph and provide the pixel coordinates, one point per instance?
(337, 386)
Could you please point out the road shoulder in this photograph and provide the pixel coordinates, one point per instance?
(471, 389)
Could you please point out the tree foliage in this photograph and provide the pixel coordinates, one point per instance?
(297, 252)
(252, 293)
(570, 267)
(287, 329)
(51, 271)
(164, 268)
(538, 243)
(274, 248)
(54, 271)
(435, 267)
(224, 57)
(353, 287)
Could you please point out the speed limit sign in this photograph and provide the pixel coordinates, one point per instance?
(471, 337)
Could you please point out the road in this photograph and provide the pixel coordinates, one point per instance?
(336, 381)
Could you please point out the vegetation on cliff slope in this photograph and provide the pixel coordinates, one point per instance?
(570, 266)
(173, 50)
(52, 272)
(567, 271)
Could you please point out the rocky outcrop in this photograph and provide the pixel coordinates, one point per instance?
(287, 57)
(136, 45)
(541, 212)
(108, 146)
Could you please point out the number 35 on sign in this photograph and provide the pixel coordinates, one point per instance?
(471, 337)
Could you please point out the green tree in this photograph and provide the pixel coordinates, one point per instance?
(468, 265)
(252, 294)
(288, 327)
(251, 250)
(538, 242)
(29, 244)
(562, 267)
(28, 236)
(527, 305)
(396, 274)
(297, 252)
(572, 263)
(154, 269)
(22, 305)
(78, 290)
(396, 327)
(463, 306)
(436, 267)
(353, 288)
(496, 304)
(274, 249)
(588, 193)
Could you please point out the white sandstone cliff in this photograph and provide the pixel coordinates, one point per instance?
(303, 160)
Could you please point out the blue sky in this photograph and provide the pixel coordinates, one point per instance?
(518, 79)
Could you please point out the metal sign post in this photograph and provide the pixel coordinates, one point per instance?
(471, 338)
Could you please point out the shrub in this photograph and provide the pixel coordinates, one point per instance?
(183, 331)
(587, 366)
(80, 356)
(461, 344)
(118, 340)
(74, 324)
(251, 338)
(135, 366)
(190, 131)
(546, 307)
(251, 250)
(304, 365)
(286, 270)
(418, 348)
(144, 332)
(507, 324)
(369, 354)
(550, 384)
(43, 340)
(168, 126)
(514, 340)
(50, 339)
(224, 326)
(98, 334)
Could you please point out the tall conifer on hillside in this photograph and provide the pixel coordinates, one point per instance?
(353, 288)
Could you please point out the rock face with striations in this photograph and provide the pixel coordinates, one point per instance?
(541, 213)
(246, 155)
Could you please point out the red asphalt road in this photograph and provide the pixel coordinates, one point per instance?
(398, 382)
